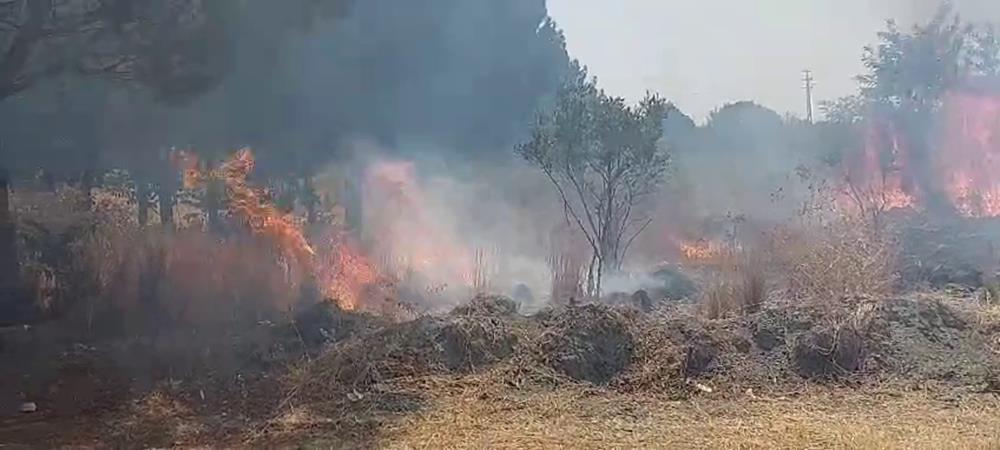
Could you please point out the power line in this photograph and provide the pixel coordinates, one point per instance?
(808, 79)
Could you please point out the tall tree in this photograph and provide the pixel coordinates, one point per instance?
(907, 76)
(603, 157)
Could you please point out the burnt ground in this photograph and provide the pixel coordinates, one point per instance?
(357, 379)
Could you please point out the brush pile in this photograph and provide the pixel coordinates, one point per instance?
(781, 346)
(474, 336)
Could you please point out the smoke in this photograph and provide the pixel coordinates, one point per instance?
(449, 230)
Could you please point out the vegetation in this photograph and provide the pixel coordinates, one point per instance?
(604, 158)
(706, 278)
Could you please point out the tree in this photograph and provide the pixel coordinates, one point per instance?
(175, 50)
(603, 157)
(907, 77)
(175, 47)
(8, 257)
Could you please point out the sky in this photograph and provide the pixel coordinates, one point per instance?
(701, 54)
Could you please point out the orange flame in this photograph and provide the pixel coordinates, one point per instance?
(248, 204)
(701, 250)
(873, 184)
(969, 160)
(965, 161)
(343, 271)
(410, 236)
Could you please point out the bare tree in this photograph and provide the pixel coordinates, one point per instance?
(603, 157)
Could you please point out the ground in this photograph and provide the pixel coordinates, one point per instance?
(586, 376)
(466, 417)
(816, 419)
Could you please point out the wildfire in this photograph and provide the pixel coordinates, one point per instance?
(341, 269)
(969, 160)
(345, 272)
(701, 250)
(875, 180)
(410, 236)
(962, 165)
(248, 204)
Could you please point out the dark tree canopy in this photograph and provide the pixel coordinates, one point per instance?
(464, 76)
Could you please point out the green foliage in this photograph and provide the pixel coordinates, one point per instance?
(603, 157)
(909, 72)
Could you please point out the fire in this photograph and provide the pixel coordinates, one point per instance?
(345, 272)
(969, 160)
(874, 183)
(961, 167)
(342, 270)
(701, 250)
(411, 238)
(248, 204)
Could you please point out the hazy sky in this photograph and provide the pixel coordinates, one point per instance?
(703, 53)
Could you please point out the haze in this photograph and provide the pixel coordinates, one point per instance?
(703, 54)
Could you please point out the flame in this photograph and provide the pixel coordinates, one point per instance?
(964, 162)
(248, 204)
(411, 238)
(701, 250)
(873, 184)
(345, 272)
(342, 270)
(969, 160)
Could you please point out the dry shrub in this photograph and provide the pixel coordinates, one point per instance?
(739, 286)
(488, 305)
(423, 347)
(587, 343)
(838, 343)
(842, 258)
(91, 262)
(659, 361)
(568, 258)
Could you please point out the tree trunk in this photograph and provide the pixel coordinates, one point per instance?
(142, 202)
(166, 197)
(353, 207)
(87, 180)
(310, 200)
(13, 305)
(212, 204)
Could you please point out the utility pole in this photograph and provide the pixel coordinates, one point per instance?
(807, 78)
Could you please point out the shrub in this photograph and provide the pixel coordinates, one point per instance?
(842, 258)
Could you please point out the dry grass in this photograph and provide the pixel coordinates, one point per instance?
(739, 287)
(95, 264)
(576, 418)
(843, 258)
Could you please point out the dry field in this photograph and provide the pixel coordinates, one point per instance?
(577, 418)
